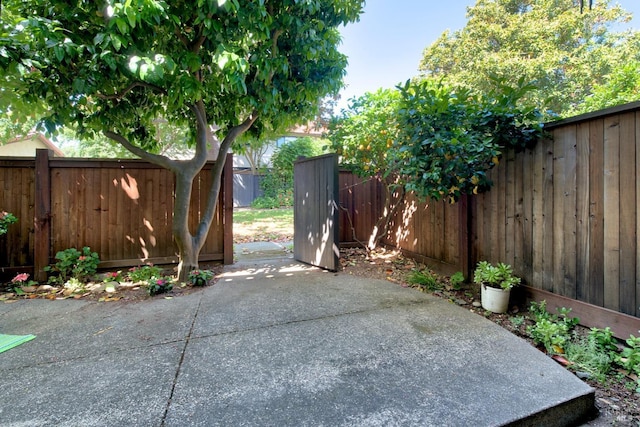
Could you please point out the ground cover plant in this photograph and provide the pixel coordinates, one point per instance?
(75, 275)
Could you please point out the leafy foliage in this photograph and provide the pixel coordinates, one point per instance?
(566, 57)
(450, 137)
(278, 183)
(144, 273)
(497, 276)
(200, 277)
(159, 285)
(630, 358)
(365, 134)
(619, 87)
(552, 331)
(73, 264)
(6, 219)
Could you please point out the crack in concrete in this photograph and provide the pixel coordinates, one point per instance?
(179, 369)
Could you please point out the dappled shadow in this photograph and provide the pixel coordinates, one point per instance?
(267, 270)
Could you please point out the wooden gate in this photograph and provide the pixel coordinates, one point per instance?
(315, 211)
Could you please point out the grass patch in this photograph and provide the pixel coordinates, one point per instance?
(262, 225)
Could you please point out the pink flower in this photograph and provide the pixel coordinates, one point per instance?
(82, 258)
(20, 278)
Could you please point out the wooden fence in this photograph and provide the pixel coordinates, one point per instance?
(564, 214)
(121, 209)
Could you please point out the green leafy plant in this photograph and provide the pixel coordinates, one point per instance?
(73, 263)
(6, 219)
(113, 276)
(160, 285)
(586, 355)
(457, 279)
(424, 279)
(497, 276)
(630, 358)
(278, 184)
(450, 137)
(200, 277)
(605, 341)
(518, 321)
(551, 331)
(144, 273)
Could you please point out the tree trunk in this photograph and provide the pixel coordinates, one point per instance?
(188, 249)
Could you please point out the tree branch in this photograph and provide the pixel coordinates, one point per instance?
(202, 131)
(156, 159)
(119, 96)
(216, 173)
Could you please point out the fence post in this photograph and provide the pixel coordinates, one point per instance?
(227, 202)
(464, 225)
(42, 220)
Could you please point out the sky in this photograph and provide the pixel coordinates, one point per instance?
(386, 45)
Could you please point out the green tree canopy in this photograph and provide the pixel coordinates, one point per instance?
(620, 87)
(365, 136)
(563, 50)
(114, 67)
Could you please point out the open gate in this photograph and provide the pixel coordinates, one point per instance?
(315, 211)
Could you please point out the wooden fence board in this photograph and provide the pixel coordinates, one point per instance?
(537, 205)
(547, 233)
(596, 213)
(636, 143)
(628, 248)
(612, 212)
(121, 209)
(583, 234)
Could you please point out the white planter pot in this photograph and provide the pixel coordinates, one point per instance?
(494, 299)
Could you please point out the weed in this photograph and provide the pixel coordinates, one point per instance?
(517, 321)
(425, 279)
(457, 279)
(587, 356)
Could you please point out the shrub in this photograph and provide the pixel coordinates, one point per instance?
(278, 184)
(6, 219)
(72, 263)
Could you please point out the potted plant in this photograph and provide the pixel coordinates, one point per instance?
(496, 282)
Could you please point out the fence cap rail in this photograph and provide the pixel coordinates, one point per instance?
(618, 109)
